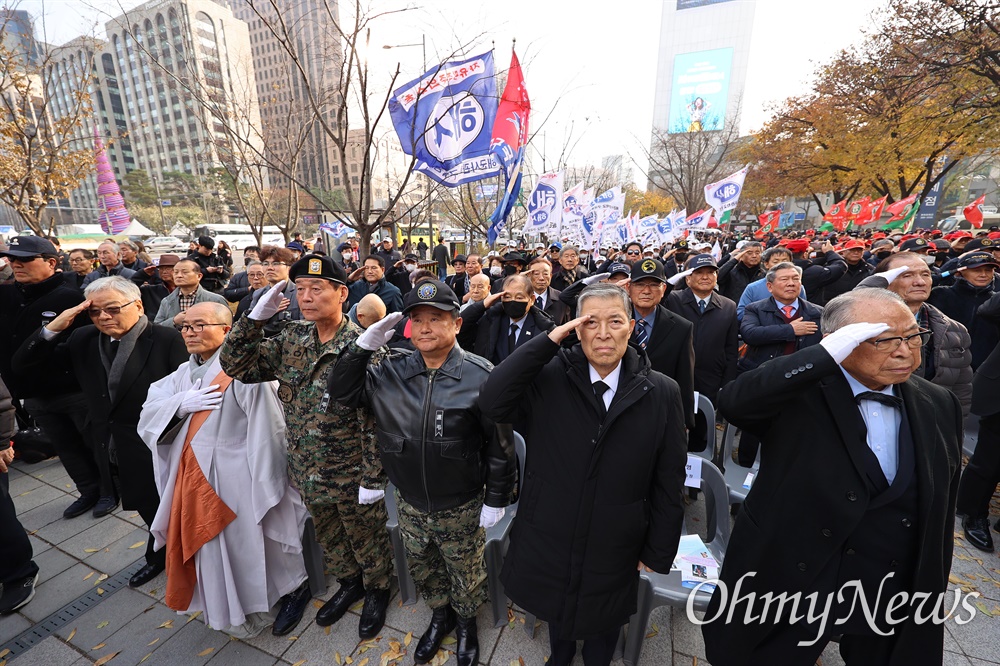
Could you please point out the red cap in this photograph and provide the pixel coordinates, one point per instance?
(878, 236)
(993, 234)
(798, 245)
(962, 234)
(853, 244)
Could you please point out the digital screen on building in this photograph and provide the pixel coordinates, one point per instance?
(699, 92)
(690, 4)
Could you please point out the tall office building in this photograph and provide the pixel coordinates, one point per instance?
(17, 33)
(285, 109)
(184, 70)
(702, 64)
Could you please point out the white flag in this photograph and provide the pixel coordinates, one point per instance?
(725, 194)
(717, 252)
(545, 205)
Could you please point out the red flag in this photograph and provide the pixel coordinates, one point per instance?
(872, 211)
(838, 212)
(856, 208)
(974, 212)
(899, 209)
(769, 221)
(510, 129)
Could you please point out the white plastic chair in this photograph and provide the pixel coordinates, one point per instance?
(706, 407)
(739, 479)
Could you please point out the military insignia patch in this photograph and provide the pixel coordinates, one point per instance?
(427, 291)
(648, 266)
(285, 393)
(315, 267)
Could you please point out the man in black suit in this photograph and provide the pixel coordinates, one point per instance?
(678, 256)
(856, 491)
(115, 361)
(666, 337)
(503, 321)
(539, 271)
(716, 333)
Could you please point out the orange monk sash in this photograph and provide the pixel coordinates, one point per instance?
(197, 515)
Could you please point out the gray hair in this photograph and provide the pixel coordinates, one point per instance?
(521, 279)
(839, 312)
(253, 262)
(783, 266)
(605, 290)
(771, 251)
(118, 249)
(568, 248)
(129, 244)
(114, 283)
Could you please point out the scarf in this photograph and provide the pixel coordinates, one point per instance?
(114, 362)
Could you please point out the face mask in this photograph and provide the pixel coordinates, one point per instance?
(515, 309)
(882, 255)
(410, 267)
(495, 271)
(583, 258)
(510, 270)
(348, 256)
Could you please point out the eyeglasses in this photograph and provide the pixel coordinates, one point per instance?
(197, 328)
(915, 341)
(634, 252)
(113, 310)
(273, 263)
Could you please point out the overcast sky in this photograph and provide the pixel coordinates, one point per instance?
(589, 65)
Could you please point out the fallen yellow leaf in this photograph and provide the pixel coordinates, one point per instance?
(299, 662)
(100, 590)
(169, 624)
(448, 640)
(348, 660)
(206, 652)
(293, 638)
(363, 662)
(103, 624)
(193, 616)
(146, 657)
(91, 550)
(89, 575)
(106, 658)
(5, 652)
(153, 642)
(336, 657)
(137, 544)
(100, 578)
(68, 638)
(408, 638)
(326, 630)
(318, 604)
(98, 646)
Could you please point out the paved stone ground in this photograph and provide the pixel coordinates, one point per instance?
(134, 626)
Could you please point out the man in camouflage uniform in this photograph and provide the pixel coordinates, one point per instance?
(331, 448)
(453, 469)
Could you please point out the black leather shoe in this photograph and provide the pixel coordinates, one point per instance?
(373, 613)
(351, 591)
(467, 649)
(145, 574)
(80, 506)
(977, 532)
(104, 506)
(293, 606)
(442, 623)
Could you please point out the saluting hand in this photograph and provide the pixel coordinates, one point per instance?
(66, 317)
(492, 298)
(560, 333)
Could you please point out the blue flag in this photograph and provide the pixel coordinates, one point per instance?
(445, 119)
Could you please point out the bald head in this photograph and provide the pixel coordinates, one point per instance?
(210, 313)
(371, 309)
(205, 327)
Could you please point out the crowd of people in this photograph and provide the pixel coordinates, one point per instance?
(229, 408)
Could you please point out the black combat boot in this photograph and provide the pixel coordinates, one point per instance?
(373, 613)
(442, 623)
(293, 607)
(467, 650)
(351, 590)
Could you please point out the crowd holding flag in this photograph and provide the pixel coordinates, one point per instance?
(545, 205)
(974, 212)
(510, 135)
(769, 222)
(903, 213)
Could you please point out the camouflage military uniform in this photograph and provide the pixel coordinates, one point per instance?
(444, 550)
(331, 448)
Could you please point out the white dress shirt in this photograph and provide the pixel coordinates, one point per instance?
(611, 380)
(882, 422)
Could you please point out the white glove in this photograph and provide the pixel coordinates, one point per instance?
(675, 279)
(489, 516)
(591, 279)
(268, 304)
(893, 273)
(379, 333)
(844, 340)
(366, 496)
(197, 399)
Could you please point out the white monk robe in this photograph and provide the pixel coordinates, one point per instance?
(241, 450)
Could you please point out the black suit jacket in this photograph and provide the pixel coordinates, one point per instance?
(812, 480)
(158, 351)
(766, 334)
(716, 339)
(557, 311)
(986, 382)
(671, 351)
(483, 329)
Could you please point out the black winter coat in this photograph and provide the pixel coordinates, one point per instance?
(819, 272)
(436, 446)
(961, 301)
(158, 351)
(597, 498)
(766, 334)
(715, 338)
(848, 281)
(986, 382)
(25, 309)
(671, 351)
(734, 276)
(481, 332)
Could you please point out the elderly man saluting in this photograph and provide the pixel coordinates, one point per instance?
(440, 452)
(602, 488)
(219, 462)
(856, 494)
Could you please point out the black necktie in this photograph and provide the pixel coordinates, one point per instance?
(884, 398)
(599, 389)
(512, 338)
(540, 302)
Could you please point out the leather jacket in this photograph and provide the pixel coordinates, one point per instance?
(437, 448)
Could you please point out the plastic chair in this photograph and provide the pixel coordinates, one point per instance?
(312, 555)
(971, 435)
(657, 589)
(706, 407)
(407, 588)
(497, 540)
(734, 473)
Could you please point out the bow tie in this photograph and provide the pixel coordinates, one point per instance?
(884, 398)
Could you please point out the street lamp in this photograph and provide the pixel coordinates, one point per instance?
(422, 45)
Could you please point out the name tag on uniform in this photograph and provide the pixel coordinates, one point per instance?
(439, 423)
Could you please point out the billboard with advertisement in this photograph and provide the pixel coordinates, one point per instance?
(699, 93)
(689, 4)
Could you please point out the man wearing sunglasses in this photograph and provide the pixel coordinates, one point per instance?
(114, 361)
(52, 395)
(856, 491)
